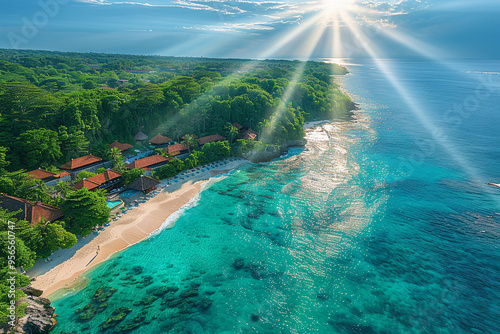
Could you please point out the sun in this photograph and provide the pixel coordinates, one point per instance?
(336, 5)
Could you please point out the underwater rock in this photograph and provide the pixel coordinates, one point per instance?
(253, 215)
(322, 296)
(205, 304)
(146, 301)
(88, 314)
(256, 270)
(267, 196)
(239, 263)
(254, 317)
(195, 284)
(246, 224)
(102, 307)
(137, 269)
(171, 302)
(102, 294)
(160, 291)
(126, 328)
(189, 293)
(117, 316)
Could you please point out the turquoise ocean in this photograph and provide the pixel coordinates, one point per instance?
(383, 224)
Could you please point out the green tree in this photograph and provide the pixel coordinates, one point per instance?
(84, 175)
(5, 298)
(128, 176)
(232, 132)
(84, 209)
(74, 144)
(89, 84)
(178, 164)
(3, 159)
(54, 237)
(189, 142)
(164, 172)
(17, 250)
(35, 147)
(216, 151)
(118, 161)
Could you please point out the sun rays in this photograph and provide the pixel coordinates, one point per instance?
(347, 27)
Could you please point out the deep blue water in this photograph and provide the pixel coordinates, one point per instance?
(384, 224)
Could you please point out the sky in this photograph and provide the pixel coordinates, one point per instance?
(257, 28)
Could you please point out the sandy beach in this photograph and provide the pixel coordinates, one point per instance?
(130, 229)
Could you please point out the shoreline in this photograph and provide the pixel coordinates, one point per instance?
(129, 230)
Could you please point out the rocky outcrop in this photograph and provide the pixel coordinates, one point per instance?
(39, 317)
(273, 151)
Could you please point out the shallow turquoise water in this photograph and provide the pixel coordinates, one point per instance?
(340, 238)
(112, 204)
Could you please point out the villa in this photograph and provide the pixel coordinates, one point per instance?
(88, 163)
(176, 149)
(120, 146)
(149, 162)
(160, 141)
(107, 180)
(33, 212)
(210, 139)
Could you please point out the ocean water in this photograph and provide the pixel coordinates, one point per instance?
(383, 224)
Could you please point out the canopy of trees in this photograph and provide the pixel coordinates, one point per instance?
(58, 106)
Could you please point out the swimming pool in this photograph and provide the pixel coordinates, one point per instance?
(129, 193)
(113, 204)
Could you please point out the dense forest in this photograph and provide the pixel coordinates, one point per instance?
(58, 106)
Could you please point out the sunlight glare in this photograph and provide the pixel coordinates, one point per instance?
(336, 5)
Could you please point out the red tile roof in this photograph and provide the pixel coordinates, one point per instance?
(81, 162)
(250, 135)
(176, 149)
(95, 181)
(41, 174)
(210, 139)
(148, 161)
(86, 184)
(120, 146)
(106, 87)
(62, 174)
(159, 139)
(33, 212)
(237, 125)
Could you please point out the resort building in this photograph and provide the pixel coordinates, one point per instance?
(237, 126)
(33, 212)
(137, 188)
(149, 162)
(140, 136)
(210, 139)
(49, 178)
(176, 149)
(144, 183)
(120, 146)
(250, 135)
(89, 163)
(160, 141)
(107, 180)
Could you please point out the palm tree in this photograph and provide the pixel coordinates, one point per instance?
(189, 142)
(233, 131)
